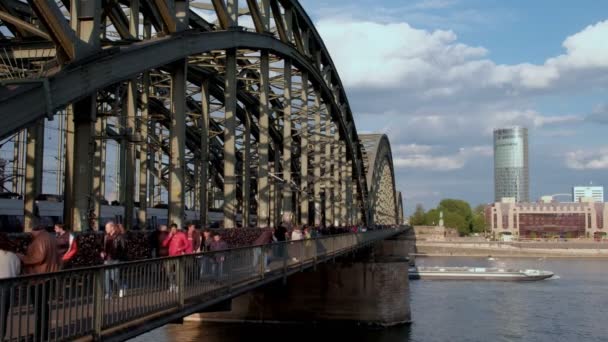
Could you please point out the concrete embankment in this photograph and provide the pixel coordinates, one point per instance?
(561, 250)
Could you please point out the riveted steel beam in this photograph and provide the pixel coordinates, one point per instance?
(177, 142)
(287, 139)
(23, 25)
(304, 117)
(230, 105)
(33, 172)
(204, 152)
(263, 123)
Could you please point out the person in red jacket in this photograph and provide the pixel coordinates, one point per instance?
(177, 242)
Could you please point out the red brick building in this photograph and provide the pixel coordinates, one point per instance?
(542, 220)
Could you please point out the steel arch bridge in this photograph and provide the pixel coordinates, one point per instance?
(212, 104)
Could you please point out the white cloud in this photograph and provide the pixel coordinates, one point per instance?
(392, 52)
(472, 127)
(423, 159)
(587, 159)
(411, 149)
(434, 64)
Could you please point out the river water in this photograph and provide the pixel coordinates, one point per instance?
(571, 307)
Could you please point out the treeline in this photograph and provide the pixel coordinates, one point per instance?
(456, 214)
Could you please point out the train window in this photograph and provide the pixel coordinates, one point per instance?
(10, 224)
(47, 221)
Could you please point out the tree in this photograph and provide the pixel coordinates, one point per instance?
(457, 214)
(479, 219)
(431, 218)
(455, 220)
(418, 218)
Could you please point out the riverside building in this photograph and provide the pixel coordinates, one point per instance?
(584, 219)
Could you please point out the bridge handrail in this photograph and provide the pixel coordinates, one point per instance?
(94, 301)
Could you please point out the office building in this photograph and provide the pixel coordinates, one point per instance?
(594, 192)
(511, 173)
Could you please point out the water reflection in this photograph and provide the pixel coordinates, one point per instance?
(572, 307)
(209, 332)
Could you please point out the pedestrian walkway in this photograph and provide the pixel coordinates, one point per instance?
(125, 300)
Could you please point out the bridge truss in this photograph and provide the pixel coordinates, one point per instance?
(230, 102)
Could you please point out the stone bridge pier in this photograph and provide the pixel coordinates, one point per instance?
(369, 287)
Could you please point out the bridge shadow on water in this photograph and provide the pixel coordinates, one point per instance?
(227, 332)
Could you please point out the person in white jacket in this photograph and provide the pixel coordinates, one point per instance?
(10, 266)
(296, 234)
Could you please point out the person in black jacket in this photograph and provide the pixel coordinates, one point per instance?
(114, 251)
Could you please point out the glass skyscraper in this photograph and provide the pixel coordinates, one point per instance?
(511, 174)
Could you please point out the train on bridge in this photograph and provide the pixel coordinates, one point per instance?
(49, 210)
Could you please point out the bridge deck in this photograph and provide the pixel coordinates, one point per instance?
(125, 300)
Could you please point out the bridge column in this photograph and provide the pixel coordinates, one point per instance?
(144, 149)
(343, 180)
(355, 204)
(263, 122)
(177, 142)
(33, 172)
(287, 139)
(61, 150)
(128, 187)
(349, 193)
(79, 154)
(17, 181)
(98, 169)
(230, 104)
(204, 162)
(317, 161)
(336, 161)
(329, 217)
(246, 184)
(304, 188)
(143, 153)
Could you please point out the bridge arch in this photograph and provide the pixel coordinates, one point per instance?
(383, 207)
(268, 121)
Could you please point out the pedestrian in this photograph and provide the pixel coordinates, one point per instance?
(41, 257)
(176, 241)
(207, 239)
(162, 234)
(280, 236)
(66, 244)
(206, 261)
(194, 238)
(120, 228)
(296, 247)
(10, 266)
(218, 245)
(114, 251)
(178, 244)
(296, 234)
(264, 239)
(307, 235)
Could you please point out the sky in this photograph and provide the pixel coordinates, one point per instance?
(438, 76)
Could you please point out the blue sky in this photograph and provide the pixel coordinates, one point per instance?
(438, 75)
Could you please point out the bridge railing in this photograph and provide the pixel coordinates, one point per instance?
(98, 300)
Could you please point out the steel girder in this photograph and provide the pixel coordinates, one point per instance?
(383, 200)
(296, 41)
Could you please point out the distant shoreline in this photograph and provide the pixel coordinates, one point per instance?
(522, 256)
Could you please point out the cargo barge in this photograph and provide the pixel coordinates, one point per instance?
(477, 273)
